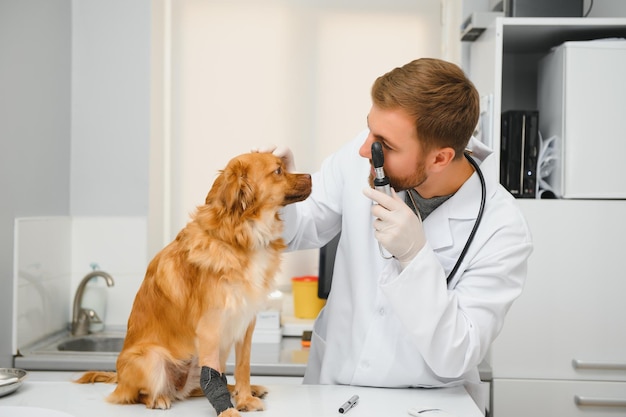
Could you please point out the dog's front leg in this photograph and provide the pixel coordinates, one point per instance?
(244, 399)
(212, 378)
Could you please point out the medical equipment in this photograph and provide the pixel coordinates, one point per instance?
(349, 404)
(479, 217)
(381, 183)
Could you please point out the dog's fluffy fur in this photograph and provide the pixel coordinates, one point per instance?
(201, 293)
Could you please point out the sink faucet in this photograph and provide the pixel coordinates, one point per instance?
(81, 317)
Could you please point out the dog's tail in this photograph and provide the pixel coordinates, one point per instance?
(97, 376)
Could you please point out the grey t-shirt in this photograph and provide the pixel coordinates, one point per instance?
(425, 205)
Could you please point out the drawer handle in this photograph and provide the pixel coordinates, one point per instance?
(578, 364)
(601, 402)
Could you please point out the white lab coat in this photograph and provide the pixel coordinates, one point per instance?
(387, 327)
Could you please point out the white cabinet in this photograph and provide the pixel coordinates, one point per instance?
(565, 337)
(563, 347)
(572, 312)
(549, 398)
(580, 97)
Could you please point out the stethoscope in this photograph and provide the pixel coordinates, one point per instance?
(381, 182)
(483, 197)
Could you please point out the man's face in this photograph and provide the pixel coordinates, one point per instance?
(404, 158)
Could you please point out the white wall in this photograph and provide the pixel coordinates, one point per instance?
(248, 74)
(110, 107)
(34, 128)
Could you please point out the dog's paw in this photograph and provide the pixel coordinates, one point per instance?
(161, 402)
(249, 404)
(258, 391)
(229, 412)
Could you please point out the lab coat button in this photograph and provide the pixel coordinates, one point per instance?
(381, 311)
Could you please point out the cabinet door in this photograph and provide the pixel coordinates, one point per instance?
(541, 398)
(573, 307)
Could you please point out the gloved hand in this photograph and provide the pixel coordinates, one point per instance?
(283, 152)
(396, 226)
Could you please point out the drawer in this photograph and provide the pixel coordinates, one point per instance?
(549, 398)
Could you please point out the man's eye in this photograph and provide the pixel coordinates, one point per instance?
(386, 146)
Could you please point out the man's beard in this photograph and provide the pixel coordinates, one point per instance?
(402, 184)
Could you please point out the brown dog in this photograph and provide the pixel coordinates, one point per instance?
(201, 293)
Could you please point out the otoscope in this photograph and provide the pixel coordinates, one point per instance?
(381, 181)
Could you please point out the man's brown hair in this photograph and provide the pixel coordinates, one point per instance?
(442, 100)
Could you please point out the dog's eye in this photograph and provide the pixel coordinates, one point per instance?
(278, 171)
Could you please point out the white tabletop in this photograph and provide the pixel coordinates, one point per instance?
(284, 399)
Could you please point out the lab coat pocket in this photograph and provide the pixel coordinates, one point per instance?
(316, 354)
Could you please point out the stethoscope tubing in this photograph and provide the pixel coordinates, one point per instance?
(483, 198)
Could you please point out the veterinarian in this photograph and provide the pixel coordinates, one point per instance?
(392, 319)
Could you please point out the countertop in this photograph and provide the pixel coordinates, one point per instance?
(54, 392)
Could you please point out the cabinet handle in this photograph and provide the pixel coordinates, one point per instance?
(578, 364)
(601, 402)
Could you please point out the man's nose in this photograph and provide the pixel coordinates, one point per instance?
(366, 149)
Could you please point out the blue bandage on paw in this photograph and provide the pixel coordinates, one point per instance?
(214, 387)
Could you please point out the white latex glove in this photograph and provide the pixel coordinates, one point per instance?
(283, 152)
(396, 226)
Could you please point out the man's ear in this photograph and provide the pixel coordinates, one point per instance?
(441, 158)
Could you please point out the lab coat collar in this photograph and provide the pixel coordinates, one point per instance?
(464, 204)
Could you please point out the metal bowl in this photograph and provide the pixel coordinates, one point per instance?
(11, 379)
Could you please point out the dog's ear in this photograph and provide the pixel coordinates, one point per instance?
(233, 189)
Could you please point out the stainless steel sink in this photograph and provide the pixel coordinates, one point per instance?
(64, 352)
(92, 344)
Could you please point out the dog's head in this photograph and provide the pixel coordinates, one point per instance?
(256, 181)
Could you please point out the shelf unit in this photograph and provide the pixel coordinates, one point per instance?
(503, 60)
(562, 350)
